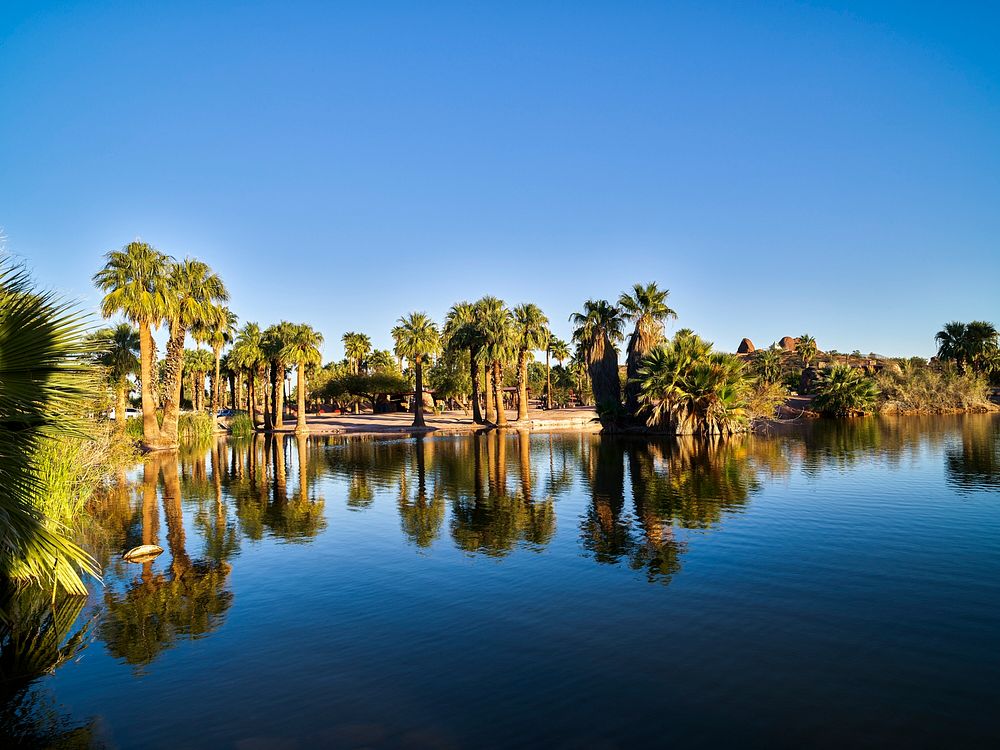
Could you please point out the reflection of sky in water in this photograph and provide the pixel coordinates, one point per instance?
(837, 585)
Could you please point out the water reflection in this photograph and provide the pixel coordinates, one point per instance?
(637, 508)
(186, 599)
(976, 464)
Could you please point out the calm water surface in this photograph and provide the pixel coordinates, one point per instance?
(835, 587)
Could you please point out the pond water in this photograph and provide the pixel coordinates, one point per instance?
(839, 585)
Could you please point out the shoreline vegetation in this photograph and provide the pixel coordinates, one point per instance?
(487, 366)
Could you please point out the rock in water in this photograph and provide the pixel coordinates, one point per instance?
(142, 553)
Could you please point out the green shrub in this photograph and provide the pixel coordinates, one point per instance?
(241, 426)
(845, 391)
(195, 426)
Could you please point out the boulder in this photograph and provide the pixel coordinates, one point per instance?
(746, 347)
(788, 343)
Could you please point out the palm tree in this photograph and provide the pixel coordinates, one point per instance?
(767, 363)
(462, 333)
(559, 350)
(200, 362)
(805, 346)
(134, 282)
(118, 354)
(845, 391)
(248, 356)
(598, 329)
(382, 360)
(498, 343)
(357, 346)
(531, 333)
(216, 333)
(46, 381)
(302, 350)
(417, 338)
(196, 294)
(275, 338)
(647, 306)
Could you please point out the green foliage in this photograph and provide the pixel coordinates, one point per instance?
(685, 388)
(449, 376)
(844, 391)
(975, 345)
(195, 427)
(368, 387)
(241, 425)
(919, 387)
(46, 379)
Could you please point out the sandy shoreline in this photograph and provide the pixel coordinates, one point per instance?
(455, 422)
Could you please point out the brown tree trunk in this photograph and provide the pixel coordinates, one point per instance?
(300, 418)
(418, 411)
(150, 427)
(252, 398)
(522, 385)
(477, 414)
(172, 386)
(548, 381)
(488, 396)
(501, 420)
(279, 397)
(216, 385)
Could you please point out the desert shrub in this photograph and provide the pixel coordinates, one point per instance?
(844, 391)
(917, 386)
(764, 398)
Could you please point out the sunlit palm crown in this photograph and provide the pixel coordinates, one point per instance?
(497, 325)
(559, 349)
(218, 331)
(118, 351)
(647, 307)
(531, 331)
(248, 352)
(135, 283)
(302, 345)
(599, 320)
(416, 335)
(195, 294)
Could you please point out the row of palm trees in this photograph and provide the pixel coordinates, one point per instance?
(150, 289)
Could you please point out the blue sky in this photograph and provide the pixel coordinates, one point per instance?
(831, 168)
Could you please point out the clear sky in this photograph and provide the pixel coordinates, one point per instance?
(830, 168)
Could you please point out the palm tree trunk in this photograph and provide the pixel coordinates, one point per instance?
(121, 403)
(477, 414)
(488, 398)
(548, 380)
(252, 398)
(300, 417)
(418, 411)
(264, 400)
(522, 385)
(171, 408)
(232, 390)
(216, 385)
(150, 427)
(501, 419)
(279, 397)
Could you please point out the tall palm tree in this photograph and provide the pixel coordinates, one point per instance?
(302, 350)
(381, 360)
(118, 354)
(559, 350)
(46, 381)
(417, 338)
(462, 333)
(805, 346)
(598, 329)
(217, 334)
(646, 305)
(498, 343)
(196, 294)
(134, 282)
(531, 333)
(357, 346)
(275, 339)
(248, 355)
(982, 344)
